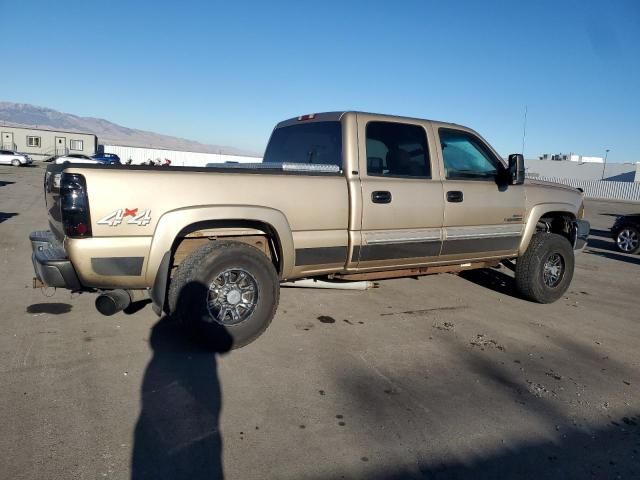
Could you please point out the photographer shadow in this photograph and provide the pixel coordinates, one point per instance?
(177, 434)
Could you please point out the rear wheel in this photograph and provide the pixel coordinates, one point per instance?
(15, 162)
(545, 270)
(226, 293)
(628, 239)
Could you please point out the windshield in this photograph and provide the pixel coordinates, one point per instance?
(317, 143)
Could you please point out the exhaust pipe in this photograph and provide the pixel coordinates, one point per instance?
(112, 302)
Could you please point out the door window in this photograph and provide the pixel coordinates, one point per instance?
(465, 157)
(397, 150)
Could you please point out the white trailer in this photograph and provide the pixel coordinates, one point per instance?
(139, 155)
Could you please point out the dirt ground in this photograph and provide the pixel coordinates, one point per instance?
(445, 376)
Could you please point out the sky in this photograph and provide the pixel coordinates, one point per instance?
(226, 72)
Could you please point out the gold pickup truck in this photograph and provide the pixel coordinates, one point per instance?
(341, 195)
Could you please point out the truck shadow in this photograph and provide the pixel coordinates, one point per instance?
(621, 257)
(606, 243)
(597, 232)
(601, 239)
(177, 433)
(6, 216)
(493, 279)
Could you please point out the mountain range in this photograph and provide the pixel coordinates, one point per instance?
(108, 133)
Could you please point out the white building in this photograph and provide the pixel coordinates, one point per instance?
(559, 157)
(139, 155)
(42, 143)
(585, 159)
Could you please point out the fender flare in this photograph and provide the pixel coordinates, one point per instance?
(536, 213)
(175, 221)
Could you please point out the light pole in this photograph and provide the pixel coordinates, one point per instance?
(604, 164)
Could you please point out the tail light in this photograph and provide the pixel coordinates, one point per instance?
(74, 205)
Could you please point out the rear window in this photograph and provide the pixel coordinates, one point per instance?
(317, 143)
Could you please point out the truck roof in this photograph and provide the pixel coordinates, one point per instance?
(337, 116)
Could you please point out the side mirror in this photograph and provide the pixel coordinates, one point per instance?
(516, 168)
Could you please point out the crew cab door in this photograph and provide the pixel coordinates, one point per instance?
(483, 216)
(402, 204)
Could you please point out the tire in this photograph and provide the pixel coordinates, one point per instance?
(252, 293)
(545, 270)
(15, 162)
(627, 238)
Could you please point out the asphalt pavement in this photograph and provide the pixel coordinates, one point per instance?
(445, 376)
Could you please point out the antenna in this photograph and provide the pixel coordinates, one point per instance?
(524, 128)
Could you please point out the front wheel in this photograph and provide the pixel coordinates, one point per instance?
(628, 239)
(226, 293)
(15, 162)
(545, 270)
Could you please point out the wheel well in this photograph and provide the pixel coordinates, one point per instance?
(557, 222)
(258, 234)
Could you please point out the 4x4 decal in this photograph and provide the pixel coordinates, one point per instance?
(113, 219)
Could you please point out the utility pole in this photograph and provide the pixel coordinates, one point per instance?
(604, 164)
(524, 128)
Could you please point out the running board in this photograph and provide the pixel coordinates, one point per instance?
(414, 272)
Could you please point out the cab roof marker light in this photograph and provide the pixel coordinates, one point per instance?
(310, 116)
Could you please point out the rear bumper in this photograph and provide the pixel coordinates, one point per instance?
(582, 228)
(50, 262)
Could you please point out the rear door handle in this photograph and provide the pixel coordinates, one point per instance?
(381, 197)
(455, 196)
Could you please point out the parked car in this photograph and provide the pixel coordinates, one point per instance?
(343, 195)
(107, 158)
(77, 158)
(626, 233)
(9, 157)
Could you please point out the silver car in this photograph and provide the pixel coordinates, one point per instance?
(9, 157)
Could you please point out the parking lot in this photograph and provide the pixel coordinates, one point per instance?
(443, 376)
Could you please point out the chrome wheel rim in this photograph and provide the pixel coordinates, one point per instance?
(232, 296)
(627, 240)
(553, 270)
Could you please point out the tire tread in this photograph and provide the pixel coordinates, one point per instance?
(187, 272)
(527, 275)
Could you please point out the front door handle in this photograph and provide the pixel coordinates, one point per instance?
(381, 197)
(455, 196)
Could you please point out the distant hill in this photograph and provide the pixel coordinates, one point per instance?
(109, 133)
